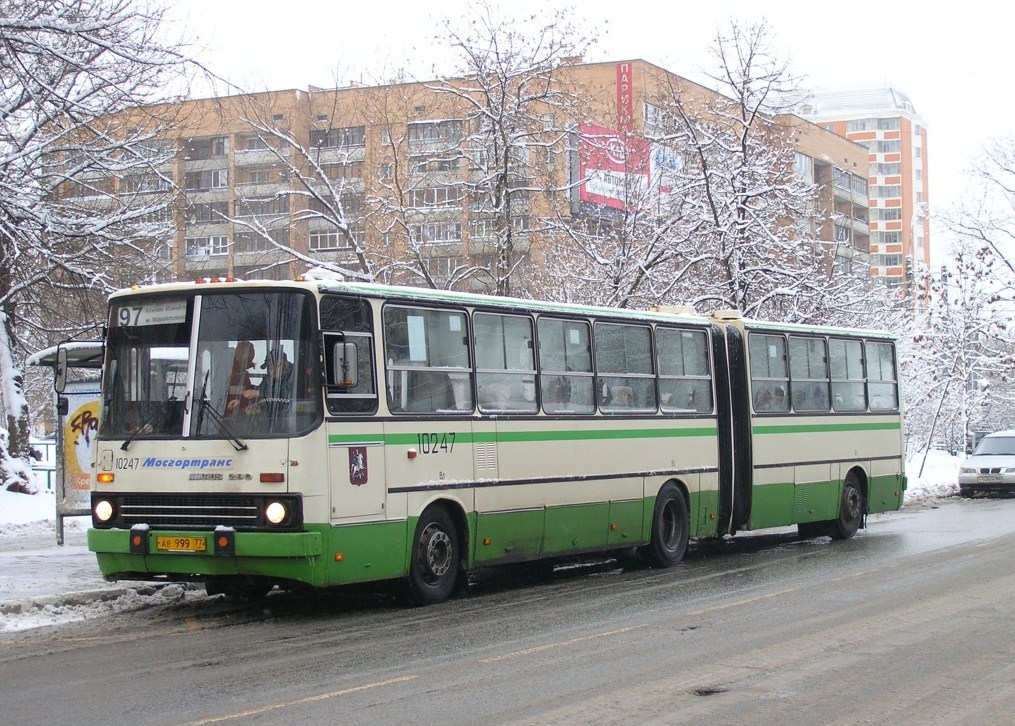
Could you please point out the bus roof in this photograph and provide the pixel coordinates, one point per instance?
(420, 294)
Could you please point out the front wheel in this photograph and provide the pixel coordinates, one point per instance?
(433, 571)
(670, 528)
(850, 509)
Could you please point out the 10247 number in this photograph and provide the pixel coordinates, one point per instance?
(443, 443)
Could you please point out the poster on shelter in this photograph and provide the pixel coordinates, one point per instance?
(80, 426)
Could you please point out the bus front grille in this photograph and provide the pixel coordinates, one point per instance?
(198, 511)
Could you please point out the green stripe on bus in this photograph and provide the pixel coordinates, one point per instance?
(487, 437)
(827, 428)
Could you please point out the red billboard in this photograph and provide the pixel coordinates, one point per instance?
(613, 167)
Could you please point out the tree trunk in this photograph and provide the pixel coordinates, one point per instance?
(15, 469)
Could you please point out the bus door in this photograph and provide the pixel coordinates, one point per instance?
(355, 436)
(734, 429)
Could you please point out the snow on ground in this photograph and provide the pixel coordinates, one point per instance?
(40, 597)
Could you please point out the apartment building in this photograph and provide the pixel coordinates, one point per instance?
(268, 185)
(885, 121)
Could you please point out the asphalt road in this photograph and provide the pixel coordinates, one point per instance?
(910, 622)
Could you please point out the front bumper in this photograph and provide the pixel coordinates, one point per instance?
(124, 554)
(970, 484)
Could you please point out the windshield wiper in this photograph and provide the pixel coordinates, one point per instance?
(156, 414)
(204, 406)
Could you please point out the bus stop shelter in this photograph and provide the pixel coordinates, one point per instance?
(76, 376)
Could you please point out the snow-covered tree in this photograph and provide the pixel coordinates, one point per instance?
(83, 194)
(958, 362)
(517, 115)
(719, 219)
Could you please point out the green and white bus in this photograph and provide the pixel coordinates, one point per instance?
(322, 433)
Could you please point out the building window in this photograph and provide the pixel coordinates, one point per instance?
(207, 246)
(886, 238)
(251, 242)
(150, 182)
(481, 228)
(203, 180)
(423, 163)
(386, 171)
(861, 124)
(885, 214)
(803, 165)
(206, 148)
(253, 143)
(653, 115)
(885, 169)
(888, 124)
(889, 147)
(212, 212)
(442, 268)
(344, 138)
(444, 196)
(886, 192)
(448, 131)
(352, 170)
(328, 239)
(437, 232)
(272, 206)
(886, 260)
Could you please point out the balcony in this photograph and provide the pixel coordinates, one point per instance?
(259, 157)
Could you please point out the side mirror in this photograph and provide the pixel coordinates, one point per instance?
(60, 384)
(346, 364)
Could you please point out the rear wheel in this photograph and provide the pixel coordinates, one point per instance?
(850, 509)
(670, 527)
(433, 571)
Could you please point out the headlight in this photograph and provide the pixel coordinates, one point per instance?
(276, 513)
(967, 470)
(103, 510)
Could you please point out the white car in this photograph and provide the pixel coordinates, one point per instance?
(990, 469)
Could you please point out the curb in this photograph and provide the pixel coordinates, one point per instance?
(72, 599)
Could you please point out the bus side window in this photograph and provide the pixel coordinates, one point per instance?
(430, 391)
(348, 391)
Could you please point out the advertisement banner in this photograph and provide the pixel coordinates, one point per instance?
(78, 429)
(614, 167)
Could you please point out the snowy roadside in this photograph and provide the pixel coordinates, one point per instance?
(43, 584)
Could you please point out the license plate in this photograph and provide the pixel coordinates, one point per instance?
(181, 544)
(989, 479)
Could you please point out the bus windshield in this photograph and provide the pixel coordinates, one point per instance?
(251, 370)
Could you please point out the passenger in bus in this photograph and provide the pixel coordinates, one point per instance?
(242, 391)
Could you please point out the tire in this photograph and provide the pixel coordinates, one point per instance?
(966, 493)
(851, 509)
(670, 529)
(436, 555)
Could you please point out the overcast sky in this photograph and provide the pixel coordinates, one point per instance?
(952, 65)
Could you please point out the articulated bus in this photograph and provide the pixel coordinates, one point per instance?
(323, 433)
